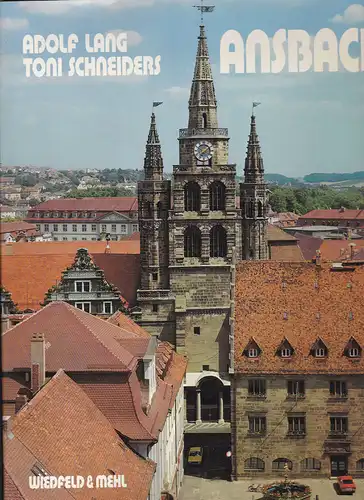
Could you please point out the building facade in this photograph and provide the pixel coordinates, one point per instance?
(86, 219)
(84, 286)
(342, 218)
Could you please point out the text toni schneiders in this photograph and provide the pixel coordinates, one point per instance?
(55, 66)
(293, 50)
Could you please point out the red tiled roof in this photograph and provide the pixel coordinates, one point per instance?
(308, 245)
(117, 204)
(66, 329)
(262, 303)
(334, 214)
(29, 277)
(14, 227)
(286, 253)
(128, 324)
(11, 491)
(64, 432)
(11, 387)
(70, 247)
(276, 234)
(339, 249)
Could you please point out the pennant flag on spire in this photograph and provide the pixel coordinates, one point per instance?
(156, 103)
(255, 104)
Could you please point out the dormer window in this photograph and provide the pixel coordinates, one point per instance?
(252, 349)
(286, 353)
(352, 349)
(319, 349)
(354, 352)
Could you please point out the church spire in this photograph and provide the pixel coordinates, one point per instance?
(202, 103)
(254, 167)
(153, 161)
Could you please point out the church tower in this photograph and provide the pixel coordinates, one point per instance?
(254, 201)
(153, 207)
(204, 227)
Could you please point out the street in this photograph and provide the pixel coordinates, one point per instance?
(195, 488)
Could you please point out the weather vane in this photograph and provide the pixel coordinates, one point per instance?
(204, 8)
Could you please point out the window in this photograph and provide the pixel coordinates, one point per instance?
(257, 425)
(55, 238)
(320, 352)
(254, 463)
(338, 388)
(218, 244)
(74, 214)
(84, 239)
(205, 368)
(192, 242)
(155, 276)
(353, 352)
(123, 228)
(260, 209)
(148, 210)
(82, 286)
(310, 464)
(113, 228)
(84, 228)
(135, 228)
(64, 238)
(74, 239)
(74, 228)
(197, 330)
(280, 464)
(296, 388)
(55, 227)
(155, 308)
(296, 426)
(256, 387)
(253, 353)
(286, 353)
(64, 227)
(46, 227)
(360, 465)
(93, 227)
(37, 226)
(84, 306)
(103, 228)
(338, 425)
(159, 210)
(217, 196)
(107, 308)
(192, 194)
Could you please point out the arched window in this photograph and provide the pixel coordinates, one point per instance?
(218, 246)
(310, 464)
(279, 464)
(204, 120)
(360, 465)
(192, 197)
(260, 209)
(192, 242)
(148, 210)
(254, 463)
(159, 210)
(217, 196)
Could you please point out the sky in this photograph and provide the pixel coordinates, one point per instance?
(307, 122)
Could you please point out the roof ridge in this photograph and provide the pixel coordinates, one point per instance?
(73, 310)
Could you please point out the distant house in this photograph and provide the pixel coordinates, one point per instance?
(11, 232)
(6, 211)
(341, 217)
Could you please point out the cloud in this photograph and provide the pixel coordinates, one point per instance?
(13, 23)
(177, 91)
(354, 14)
(134, 38)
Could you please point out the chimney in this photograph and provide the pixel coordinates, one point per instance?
(37, 359)
(20, 401)
(107, 249)
(342, 209)
(318, 258)
(352, 250)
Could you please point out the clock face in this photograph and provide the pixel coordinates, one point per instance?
(203, 151)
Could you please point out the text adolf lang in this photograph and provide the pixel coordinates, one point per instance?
(85, 66)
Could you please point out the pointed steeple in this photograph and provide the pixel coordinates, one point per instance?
(153, 160)
(202, 103)
(254, 167)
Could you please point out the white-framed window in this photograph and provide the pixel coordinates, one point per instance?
(84, 228)
(320, 352)
(74, 214)
(74, 239)
(93, 239)
(46, 227)
(103, 228)
(353, 352)
(107, 307)
(93, 227)
(135, 228)
(113, 228)
(37, 226)
(286, 353)
(84, 306)
(74, 228)
(84, 239)
(64, 238)
(55, 227)
(253, 353)
(82, 286)
(123, 228)
(64, 227)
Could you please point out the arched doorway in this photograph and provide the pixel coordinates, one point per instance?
(212, 400)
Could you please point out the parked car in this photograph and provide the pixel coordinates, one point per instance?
(195, 454)
(346, 484)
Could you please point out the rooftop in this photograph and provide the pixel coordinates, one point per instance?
(106, 204)
(341, 213)
(61, 417)
(12, 227)
(299, 302)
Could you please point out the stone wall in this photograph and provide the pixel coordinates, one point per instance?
(316, 406)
